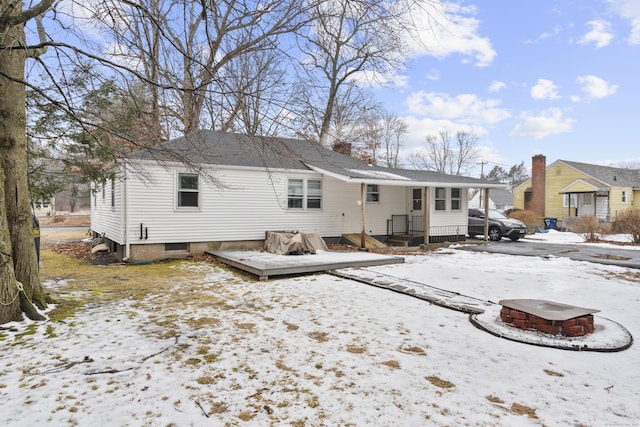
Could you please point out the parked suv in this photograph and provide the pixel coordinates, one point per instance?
(499, 225)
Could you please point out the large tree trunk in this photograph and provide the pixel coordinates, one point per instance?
(9, 298)
(13, 145)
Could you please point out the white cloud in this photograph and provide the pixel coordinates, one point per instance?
(466, 108)
(630, 11)
(549, 122)
(595, 87)
(544, 89)
(449, 28)
(496, 86)
(600, 34)
(419, 127)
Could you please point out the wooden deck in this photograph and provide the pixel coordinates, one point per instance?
(265, 265)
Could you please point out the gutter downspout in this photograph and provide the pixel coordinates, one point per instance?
(363, 198)
(127, 244)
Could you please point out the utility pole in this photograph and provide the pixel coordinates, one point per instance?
(482, 163)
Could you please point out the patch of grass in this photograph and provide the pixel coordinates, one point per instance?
(553, 373)
(292, 327)
(356, 349)
(206, 380)
(519, 409)
(64, 309)
(319, 336)
(413, 350)
(246, 416)
(203, 322)
(494, 399)
(247, 326)
(392, 364)
(30, 330)
(439, 382)
(192, 361)
(50, 333)
(218, 408)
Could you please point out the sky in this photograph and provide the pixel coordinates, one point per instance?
(321, 350)
(558, 78)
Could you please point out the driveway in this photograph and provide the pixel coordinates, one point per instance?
(579, 252)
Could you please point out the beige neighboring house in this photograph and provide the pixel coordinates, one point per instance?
(565, 190)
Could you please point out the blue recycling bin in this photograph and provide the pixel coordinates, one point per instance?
(550, 223)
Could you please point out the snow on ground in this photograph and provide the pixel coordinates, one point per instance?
(318, 350)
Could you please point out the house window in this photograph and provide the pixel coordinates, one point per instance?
(188, 190)
(113, 193)
(176, 247)
(624, 196)
(441, 198)
(417, 199)
(456, 200)
(314, 194)
(569, 198)
(373, 193)
(295, 193)
(305, 194)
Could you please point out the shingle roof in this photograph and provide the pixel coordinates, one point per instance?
(225, 148)
(611, 176)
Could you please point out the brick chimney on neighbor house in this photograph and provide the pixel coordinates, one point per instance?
(538, 184)
(342, 148)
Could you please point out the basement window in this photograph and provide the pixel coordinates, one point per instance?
(176, 247)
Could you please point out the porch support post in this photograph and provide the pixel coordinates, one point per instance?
(486, 214)
(425, 216)
(363, 200)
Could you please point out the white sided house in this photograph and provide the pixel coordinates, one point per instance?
(215, 190)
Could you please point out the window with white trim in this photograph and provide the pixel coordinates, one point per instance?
(188, 190)
(113, 194)
(566, 200)
(440, 198)
(624, 196)
(456, 199)
(304, 194)
(373, 193)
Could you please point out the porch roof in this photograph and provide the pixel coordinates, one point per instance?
(585, 185)
(402, 177)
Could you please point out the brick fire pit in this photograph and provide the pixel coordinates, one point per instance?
(548, 317)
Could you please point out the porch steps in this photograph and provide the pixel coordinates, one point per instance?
(399, 240)
(369, 242)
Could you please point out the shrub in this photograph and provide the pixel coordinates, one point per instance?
(628, 222)
(588, 226)
(529, 218)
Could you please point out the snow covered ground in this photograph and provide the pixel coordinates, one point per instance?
(319, 350)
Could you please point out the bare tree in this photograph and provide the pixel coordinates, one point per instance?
(348, 37)
(184, 47)
(392, 129)
(444, 155)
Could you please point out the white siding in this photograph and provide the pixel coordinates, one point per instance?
(106, 218)
(248, 203)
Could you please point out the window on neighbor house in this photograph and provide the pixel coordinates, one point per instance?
(188, 190)
(624, 196)
(417, 199)
(441, 198)
(373, 193)
(569, 198)
(456, 200)
(304, 193)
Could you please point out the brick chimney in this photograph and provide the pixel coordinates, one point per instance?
(342, 147)
(538, 184)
